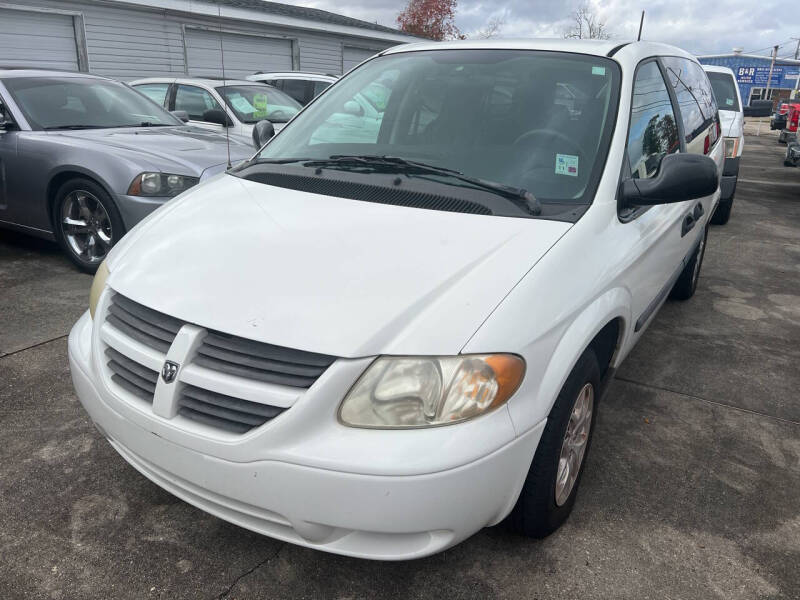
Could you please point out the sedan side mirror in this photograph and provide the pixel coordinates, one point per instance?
(680, 177)
(181, 114)
(218, 116)
(262, 133)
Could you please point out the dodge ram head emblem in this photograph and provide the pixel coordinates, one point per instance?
(169, 371)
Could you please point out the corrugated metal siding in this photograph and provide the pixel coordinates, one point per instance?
(128, 43)
(36, 39)
(352, 57)
(244, 54)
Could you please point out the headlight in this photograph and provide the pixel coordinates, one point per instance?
(161, 184)
(98, 283)
(731, 147)
(400, 392)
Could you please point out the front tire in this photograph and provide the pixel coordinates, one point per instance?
(551, 486)
(686, 284)
(86, 222)
(722, 214)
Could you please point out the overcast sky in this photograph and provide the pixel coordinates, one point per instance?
(699, 26)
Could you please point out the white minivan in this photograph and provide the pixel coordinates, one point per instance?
(376, 345)
(729, 101)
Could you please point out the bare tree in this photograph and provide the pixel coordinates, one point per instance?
(586, 25)
(492, 28)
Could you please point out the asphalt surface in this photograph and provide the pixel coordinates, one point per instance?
(691, 489)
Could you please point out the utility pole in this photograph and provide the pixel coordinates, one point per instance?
(771, 67)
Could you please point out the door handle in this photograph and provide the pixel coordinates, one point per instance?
(688, 224)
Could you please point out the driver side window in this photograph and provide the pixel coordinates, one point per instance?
(195, 101)
(653, 130)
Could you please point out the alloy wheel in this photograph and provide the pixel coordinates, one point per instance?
(573, 448)
(86, 226)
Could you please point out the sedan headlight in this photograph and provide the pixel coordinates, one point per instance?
(731, 147)
(98, 283)
(401, 392)
(161, 184)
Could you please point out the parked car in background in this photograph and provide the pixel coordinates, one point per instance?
(85, 158)
(792, 154)
(789, 131)
(778, 118)
(729, 101)
(402, 336)
(232, 105)
(301, 86)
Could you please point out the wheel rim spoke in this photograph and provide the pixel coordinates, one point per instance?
(86, 226)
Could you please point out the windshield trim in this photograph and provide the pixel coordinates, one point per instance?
(35, 126)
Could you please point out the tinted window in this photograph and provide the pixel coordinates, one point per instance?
(76, 102)
(320, 86)
(195, 101)
(653, 130)
(540, 121)
(724, 88)
(695, 96)
(296, 88)
(157, 92)
(252, 103)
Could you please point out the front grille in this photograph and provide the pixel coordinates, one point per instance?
(131, 376)
(260, 361)
(150, 327)
(224, 412)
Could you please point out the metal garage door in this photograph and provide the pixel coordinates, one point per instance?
(37, 39)
(351, 56)
(244, 54)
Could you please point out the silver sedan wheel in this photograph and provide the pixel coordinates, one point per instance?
(573, 448)
(86, 226)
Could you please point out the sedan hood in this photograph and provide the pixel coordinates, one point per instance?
(164, 148)
(326, 274)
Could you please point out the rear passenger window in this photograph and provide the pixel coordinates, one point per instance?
(157, 92)
(195, 101)
(653, 130)
(695, 96)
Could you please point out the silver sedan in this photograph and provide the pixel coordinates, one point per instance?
(84, 158)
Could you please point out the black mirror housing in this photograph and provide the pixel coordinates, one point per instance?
(680, 177)
(262, 133)
(218, 116)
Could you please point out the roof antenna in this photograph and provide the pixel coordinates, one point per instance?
(641, 24)
(224, 85)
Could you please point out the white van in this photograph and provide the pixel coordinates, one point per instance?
(376, 345)
(729, 101)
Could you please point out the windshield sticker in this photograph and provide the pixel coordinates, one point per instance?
(260, 104)
(598, 70)
(729, 101)
(241, 104)
(567, 164)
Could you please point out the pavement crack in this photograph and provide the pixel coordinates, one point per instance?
(225, 593)
(36, 345)
(716, 403)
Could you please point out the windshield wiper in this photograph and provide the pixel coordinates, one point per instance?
(55, 127)
(149, 124)
(521, 198)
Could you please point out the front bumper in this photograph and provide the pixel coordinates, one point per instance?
(368, 515)
(133, 209)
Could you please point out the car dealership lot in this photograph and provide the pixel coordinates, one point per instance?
(690, 491)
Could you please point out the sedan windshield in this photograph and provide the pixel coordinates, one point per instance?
(724, 91)
(84, 103)
(537, 122)
(252, 103)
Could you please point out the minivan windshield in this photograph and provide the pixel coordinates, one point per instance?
(724, 88)
(252, 103)
(529, 120)
(84, 103)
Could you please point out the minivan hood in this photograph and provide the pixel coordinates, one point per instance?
(191, 147)
(325, 274)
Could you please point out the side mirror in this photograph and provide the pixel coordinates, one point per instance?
(182, 115)
(680, 177)
(218, 116)
(262, 133)
(351, 107)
